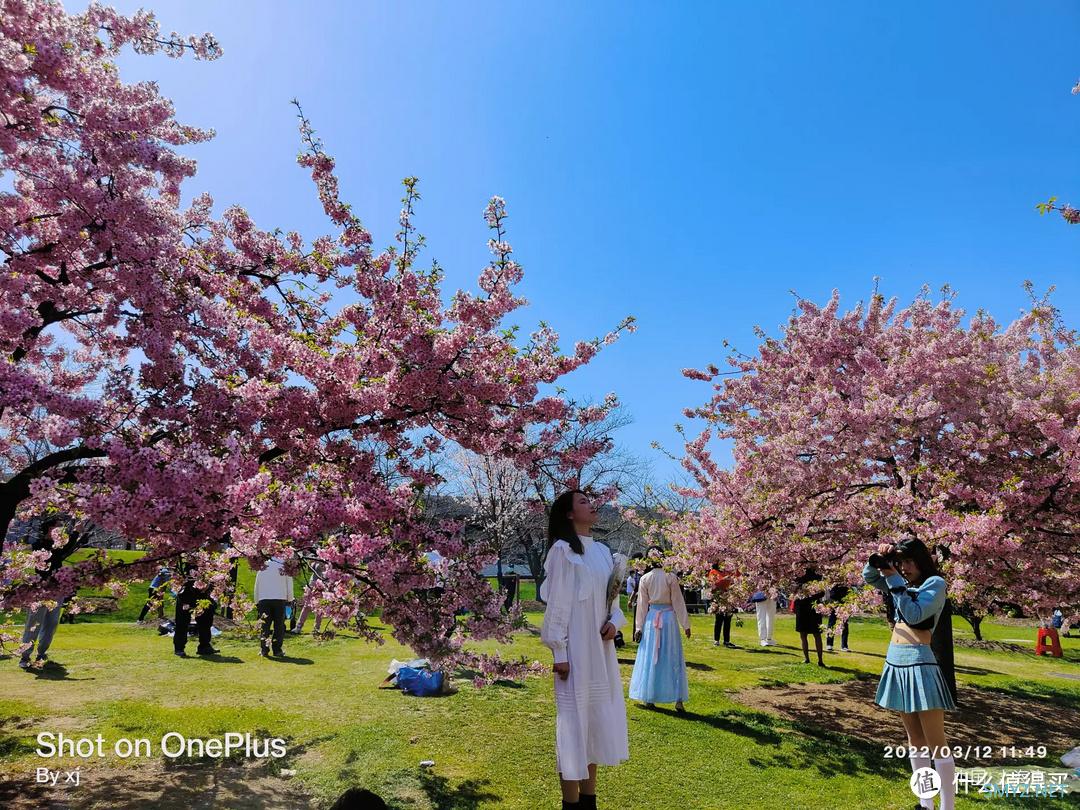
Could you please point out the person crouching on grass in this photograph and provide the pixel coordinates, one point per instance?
(660, 669)
(912, 682)
(579, 628)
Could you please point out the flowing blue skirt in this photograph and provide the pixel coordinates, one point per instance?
(660, 669)
(911, 680)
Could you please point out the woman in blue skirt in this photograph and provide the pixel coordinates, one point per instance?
(660, 669)
(912, 682)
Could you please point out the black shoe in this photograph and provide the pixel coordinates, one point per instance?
(208, 651)
(586, 801)
(264, 653)
(279, 653)
(732, 646)
(180, 653)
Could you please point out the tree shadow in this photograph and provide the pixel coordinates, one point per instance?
(758, 726)
(469, 794)
(830, 753)
(466, 673)
(994, 717)
(976, 670)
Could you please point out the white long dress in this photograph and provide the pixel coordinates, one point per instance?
(590, 709)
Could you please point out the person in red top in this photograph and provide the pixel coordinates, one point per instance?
(720, 582)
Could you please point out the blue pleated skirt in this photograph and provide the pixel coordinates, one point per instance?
(660, 670)
(911, 680)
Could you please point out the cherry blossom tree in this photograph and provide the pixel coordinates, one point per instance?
(857, 428)
(1070, 214)
(216, 390)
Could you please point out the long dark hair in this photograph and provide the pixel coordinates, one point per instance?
(560, 526)
(912, 548)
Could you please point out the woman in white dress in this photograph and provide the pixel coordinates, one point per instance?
(579, 628)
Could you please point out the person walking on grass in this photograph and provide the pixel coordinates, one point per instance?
(660, 669)
(156, 593)
(764, 602)
(833, 596)
(579, 628)
(43, 617)
(41, 622)
(912, 681)
(273, 591)
(807, 619)
(720, 583)
(317, 568)
(190, 599)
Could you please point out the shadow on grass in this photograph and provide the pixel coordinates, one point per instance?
(468, 674)
(12, 745)
(441, 793)
(290, 659)
(1052, 699)
(976, 670)
(760, 727)
(220, 659)
(217, 786)
(994, 717)
(857, 652)
(830, 754)
(53, 671)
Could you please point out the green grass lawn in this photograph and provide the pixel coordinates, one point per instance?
(494, 747)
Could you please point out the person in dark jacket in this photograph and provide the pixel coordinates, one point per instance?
(834, 595)
(187, 601)
(807, 619)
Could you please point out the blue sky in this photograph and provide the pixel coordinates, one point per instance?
(687, 163)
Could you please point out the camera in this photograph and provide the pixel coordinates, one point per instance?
(883, 560)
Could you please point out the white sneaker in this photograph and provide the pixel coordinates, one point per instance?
(24, 664)
(845, 649)
(716, 643)
(764, 644)
(772, 642)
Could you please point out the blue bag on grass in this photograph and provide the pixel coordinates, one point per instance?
(419, 682)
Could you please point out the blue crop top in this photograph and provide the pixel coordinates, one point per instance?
(918, 608)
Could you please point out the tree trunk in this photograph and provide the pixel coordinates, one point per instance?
(976, 626)
(974, 619)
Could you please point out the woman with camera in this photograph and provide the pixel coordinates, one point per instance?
(912, 682)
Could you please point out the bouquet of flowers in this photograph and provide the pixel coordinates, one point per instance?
(617, 579)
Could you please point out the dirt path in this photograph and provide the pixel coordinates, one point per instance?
(985, 718)
(159, 787)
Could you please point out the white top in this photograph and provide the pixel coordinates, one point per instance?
(272, 582)
(590, 723)
(658, 587)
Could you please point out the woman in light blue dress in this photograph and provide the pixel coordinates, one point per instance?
(660, 669)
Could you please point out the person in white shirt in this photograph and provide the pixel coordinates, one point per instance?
(765, 603)
(579, 628)
(660, 668)
(273, 590)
